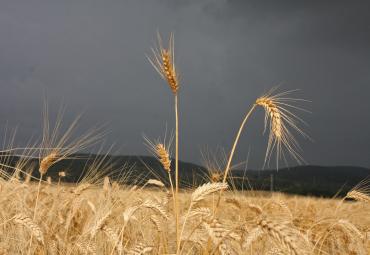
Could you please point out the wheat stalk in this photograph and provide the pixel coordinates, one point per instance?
(276, 109)
(45, 164)
(164, 62)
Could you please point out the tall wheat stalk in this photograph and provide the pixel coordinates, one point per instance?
(164, 63)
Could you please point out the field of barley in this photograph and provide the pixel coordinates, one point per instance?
(103, 215)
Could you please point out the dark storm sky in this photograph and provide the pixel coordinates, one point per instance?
(91, 56)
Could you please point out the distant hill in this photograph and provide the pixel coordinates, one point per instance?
(304, 180)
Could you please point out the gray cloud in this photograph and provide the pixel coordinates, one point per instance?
(91, 55)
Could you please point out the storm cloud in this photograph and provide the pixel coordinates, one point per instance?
(91, 55)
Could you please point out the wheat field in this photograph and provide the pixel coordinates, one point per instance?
(99, 215)
(112, 218)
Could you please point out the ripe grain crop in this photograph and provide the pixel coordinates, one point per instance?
(101, 214)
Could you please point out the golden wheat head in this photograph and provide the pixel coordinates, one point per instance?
(47, 162)
(163, 61)
(161, 149)
(361, 192)
(279, 119)
(163, 157)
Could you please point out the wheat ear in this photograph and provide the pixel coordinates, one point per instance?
(164, 157)
(253, 235)
(198, 195)
(281, 234)
(279, 118)
(27, 222)
(114, 238)
(47, 162)
(140, 249)
(201, 192)
(358, 196)
(163, 62)
(99, 224)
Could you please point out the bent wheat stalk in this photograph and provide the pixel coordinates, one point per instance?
(278, 117)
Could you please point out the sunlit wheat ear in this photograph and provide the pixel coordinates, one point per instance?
(163, 157)
(202, 191)
(279, 120)
(359, 196)
(361, 192)
(58, 144)
(214, 162)
(163, 61)
(161, 149)
(26, 221)
(47, 162)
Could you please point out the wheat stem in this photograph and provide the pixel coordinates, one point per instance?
(172, 191)
(37, 197)
(35, 209)
(177, 171)
(183, 225)
(227, 169)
